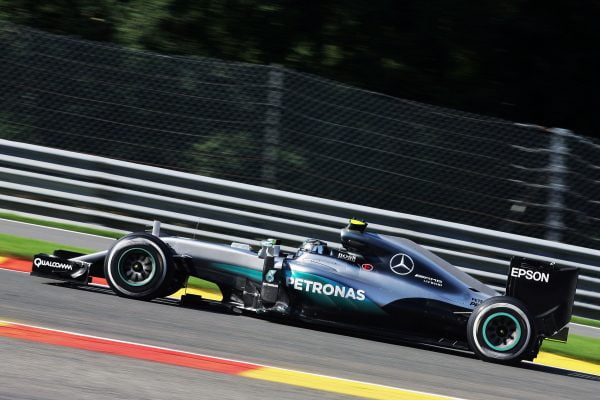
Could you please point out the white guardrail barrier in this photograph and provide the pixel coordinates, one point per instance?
(123, 195)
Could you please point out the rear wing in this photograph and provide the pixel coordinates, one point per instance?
(548, 291)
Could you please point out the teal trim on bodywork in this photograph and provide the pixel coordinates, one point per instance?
(509, 346)
(344, 304)
(365, 306)
(251, 274)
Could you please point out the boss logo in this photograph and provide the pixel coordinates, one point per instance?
(530, 275)
(347, 257)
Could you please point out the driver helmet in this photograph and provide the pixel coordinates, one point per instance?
(314, 246)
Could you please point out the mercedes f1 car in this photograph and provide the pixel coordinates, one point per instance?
(375, 282)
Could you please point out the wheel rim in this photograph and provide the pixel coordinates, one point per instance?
(136, 266)
(501, 331)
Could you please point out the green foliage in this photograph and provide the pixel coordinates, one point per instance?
(526, 61)
(91, 19)
(216, 156)
(9, 130)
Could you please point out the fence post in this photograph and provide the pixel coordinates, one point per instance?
(557, 169)
(272, 125)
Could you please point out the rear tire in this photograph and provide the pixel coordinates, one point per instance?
(501, 330)
(140, 266)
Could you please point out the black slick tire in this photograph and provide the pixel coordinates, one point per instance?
(501, 330)
(140, 266)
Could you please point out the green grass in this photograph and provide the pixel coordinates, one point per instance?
(61, 225)
(586, 321)
(19, 247)
(579, 347)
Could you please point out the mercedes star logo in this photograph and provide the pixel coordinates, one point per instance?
(402, 264)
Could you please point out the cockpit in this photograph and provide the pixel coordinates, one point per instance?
(314, 246)
(352, 241)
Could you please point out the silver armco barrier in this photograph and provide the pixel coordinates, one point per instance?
(123, 195)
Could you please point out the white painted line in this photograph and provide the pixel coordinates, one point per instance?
(585, 326)
(13, 270)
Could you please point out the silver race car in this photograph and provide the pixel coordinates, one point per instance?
(376, 283)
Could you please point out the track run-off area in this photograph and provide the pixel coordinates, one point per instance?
(57, 341)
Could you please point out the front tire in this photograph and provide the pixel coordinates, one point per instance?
(139, 266)
(501, 330)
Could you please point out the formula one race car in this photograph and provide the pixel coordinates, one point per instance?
(375, 282)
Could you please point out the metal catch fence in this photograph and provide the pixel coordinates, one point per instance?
(274, 127)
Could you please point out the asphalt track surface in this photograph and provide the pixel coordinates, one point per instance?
(36, 371)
